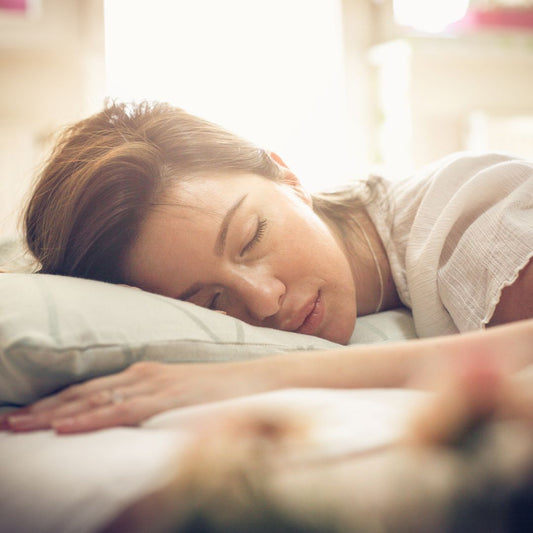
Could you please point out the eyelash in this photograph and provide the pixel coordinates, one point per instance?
(213, 302)
(259, 232)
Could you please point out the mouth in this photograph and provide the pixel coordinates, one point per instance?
(313, 318)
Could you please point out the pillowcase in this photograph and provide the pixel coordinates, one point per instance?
(57, 330)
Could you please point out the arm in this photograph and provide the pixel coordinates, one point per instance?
(464, 435)
(145, 389)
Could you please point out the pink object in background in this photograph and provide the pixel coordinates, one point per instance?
(14, 5)
(497, 18)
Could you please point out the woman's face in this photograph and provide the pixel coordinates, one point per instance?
(252, 248)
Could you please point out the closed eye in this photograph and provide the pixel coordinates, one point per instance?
(213, 303)
(258, 235)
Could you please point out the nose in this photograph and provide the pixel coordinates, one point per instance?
(260, 293)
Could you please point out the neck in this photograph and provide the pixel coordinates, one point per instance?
(349, 222)
(376, 290)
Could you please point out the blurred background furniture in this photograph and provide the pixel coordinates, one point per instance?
(339, 88)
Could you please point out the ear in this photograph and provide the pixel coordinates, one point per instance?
(291, 180)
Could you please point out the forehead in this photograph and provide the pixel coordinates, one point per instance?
(171, 239)
(210, 194)
(181, 230)
(202, 197)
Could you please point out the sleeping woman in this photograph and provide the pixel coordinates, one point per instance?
(150, 196)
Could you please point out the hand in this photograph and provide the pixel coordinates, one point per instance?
(134, 395)
(251, 469)
(473, 388)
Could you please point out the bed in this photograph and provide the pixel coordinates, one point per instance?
(56, 330)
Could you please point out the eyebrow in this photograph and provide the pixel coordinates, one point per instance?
(220, 244)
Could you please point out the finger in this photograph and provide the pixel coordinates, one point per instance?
(472, 391)
(517, 401)
(17, 414)
(4, 425)
(5, 416)
(20, 414)
(35, 420)
(83, 390)
(30, 415)
(26, 418)
(130, 412)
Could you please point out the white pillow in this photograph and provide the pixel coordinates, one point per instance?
(57, 330)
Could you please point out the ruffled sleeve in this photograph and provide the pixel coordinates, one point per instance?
(461, 231)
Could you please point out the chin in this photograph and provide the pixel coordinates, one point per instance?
(341, 333)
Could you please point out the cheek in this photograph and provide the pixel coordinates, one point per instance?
(309, 235)
(233, 306)
(341, 322)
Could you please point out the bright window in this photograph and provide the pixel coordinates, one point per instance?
(269, 70)
(431, 16)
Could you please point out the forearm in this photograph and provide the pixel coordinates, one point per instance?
(392, 364)
(146, 389)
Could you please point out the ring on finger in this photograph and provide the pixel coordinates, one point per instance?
(116, 397)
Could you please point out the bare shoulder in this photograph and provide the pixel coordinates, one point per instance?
(516, 302)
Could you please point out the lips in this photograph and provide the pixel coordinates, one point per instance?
(314, 313)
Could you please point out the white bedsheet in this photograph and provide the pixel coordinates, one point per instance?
(51, 484)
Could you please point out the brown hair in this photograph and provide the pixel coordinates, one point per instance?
(108, 170)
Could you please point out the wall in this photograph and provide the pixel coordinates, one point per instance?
(52, 73)
(411, 98)
(422, 96)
